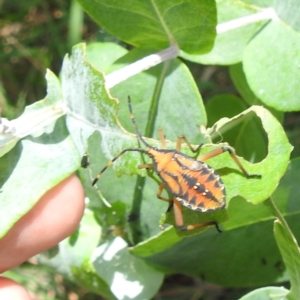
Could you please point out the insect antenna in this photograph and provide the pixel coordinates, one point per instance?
(128, 149)
(135, 126)
(114, 159)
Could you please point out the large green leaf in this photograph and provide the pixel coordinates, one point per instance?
(288, 11)
(239, 79)
(107, 269)
(290, 252)
(36, 164)
(271, 168)
(272, 79)
(103, 55)
(287, 202)
(32, 168)
(36, 119)
(129, 277)
(267, 293)
(165, 97)
(222, 258)
(88, 103)
(247, 243)
(229, 46)
(190, 24)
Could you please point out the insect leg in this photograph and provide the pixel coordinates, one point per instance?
(183, 138)
(162, 139)
(145, 166)
(221, 150)
(179, 219)
(159, 192)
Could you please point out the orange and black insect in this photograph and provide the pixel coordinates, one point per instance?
(191, 181)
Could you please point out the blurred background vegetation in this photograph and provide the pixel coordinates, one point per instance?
(36, 35)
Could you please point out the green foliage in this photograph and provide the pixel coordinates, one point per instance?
(266, 293)
(120, 252)
(283, 40)
(159, 22)
(229, 47)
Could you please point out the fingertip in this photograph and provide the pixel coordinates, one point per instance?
(53, 218)
(64, 204)
(9, 289)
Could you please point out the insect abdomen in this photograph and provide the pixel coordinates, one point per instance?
(193, 183)
(202, 190)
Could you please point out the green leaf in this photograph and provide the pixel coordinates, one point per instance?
(190, 24)
(252, 239)
(267, 293)
(131, 277)
(288, 192)
(286, 240)
(32, 168)
(291, 256)
(202, 255)
(162, 241)
(89, 105)
(38, 118)
(238, 77)
(74, 254)
(192, 217)
(286, 196)
(271, 168)
(107, 269)
(229, 46)
(103, 55)
(272, 79)
(262, 3)
(288, 11)
(228, 106)
(8, 139)
(165, 97)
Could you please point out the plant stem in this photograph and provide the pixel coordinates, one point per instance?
(277, 213)
(289, 249)
(140, 183)
(266, 14)
(141, 65)
(75, 24)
